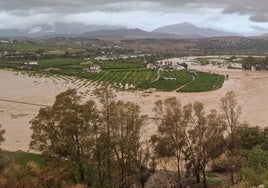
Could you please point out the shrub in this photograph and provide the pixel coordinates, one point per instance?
(220, 165)
(253, 177)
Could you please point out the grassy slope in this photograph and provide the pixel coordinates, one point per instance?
(24, 157)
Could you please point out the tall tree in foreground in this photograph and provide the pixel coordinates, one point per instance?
(121, 125)
(231, 112)
(102, 146)
(205, 138)
(171, 131)
(125, 132)
(106, 98)
(189, 134)
(64, 132)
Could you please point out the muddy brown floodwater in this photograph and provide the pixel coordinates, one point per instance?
(251, 89)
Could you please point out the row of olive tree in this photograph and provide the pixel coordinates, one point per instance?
(102, 143)
(99, 145)
(195, 138)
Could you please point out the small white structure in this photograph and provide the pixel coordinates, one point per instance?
(4, 41)
(178, 67)
(151, 66)
(235, 66)
(170, 78)
(94, 69)
(51, 69)
(31, 63)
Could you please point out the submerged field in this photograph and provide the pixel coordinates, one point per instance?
(122, 74)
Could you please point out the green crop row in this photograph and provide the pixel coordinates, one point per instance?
(119, 64)
(182, 77)
(124, 72)
(124, 76)
(204, 82)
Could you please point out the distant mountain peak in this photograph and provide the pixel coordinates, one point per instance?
(189, 29)
(186, 24)
(126, 33)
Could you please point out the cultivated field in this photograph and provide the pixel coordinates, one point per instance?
(122, 74)
(204, 82)
(250, 87)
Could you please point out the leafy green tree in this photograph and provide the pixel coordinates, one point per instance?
(250, 137)
(107, 99)
(121, 154)
(125, 133)
(172, 129)
(189, 134)
(231, 112)
(256, 167)
(257, 158)
(65, 132)
(205, 140)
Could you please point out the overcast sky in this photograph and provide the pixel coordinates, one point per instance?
(247, 17)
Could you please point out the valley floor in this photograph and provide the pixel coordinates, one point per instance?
(251, 89)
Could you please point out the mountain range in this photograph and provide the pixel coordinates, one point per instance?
(188, 29)
(182, 30)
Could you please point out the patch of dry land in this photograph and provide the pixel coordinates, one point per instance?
(251, 89)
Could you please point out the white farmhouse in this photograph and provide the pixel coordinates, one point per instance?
(94, 69)
(151, 66)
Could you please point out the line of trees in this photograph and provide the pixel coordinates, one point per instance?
(189, 134)
(101, 144)
(258, 63)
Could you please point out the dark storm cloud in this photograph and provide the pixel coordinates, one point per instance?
(260, 29)
(133, 13)
(230, 6)
(255, 9)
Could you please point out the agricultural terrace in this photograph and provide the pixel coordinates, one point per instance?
(122, 74)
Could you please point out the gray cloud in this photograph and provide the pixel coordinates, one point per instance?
(259, 28)
(262, 17)
(255, 9)
(232, 15)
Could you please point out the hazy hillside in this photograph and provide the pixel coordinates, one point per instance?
(188, 29)
(126, 33)
(58, 28)
(10, 33)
